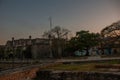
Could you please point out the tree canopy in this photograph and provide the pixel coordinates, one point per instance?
(83, 40)
(57, 32)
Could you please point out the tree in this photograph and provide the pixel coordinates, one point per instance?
(72, 45)
(58, 35)
(84, 40)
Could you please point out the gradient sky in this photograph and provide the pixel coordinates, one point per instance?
(21, 18)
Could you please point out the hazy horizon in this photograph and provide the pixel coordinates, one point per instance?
(21, 18)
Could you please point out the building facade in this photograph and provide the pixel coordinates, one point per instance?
(36, 48)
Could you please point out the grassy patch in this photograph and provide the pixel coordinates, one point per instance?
(110, 56)
(70, 67)
(84, 66)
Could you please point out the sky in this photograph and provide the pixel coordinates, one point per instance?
(21, 18)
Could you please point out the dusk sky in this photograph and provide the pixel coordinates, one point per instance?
(21, 18)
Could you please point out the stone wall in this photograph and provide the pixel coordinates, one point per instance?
(74, 75)
(25, 73)
(20, 75)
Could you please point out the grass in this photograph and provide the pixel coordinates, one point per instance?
(84, 66)
(88, 66)
(71, 67)
(109, 56)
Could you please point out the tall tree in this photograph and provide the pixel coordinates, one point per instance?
(84, 40)
(58, 35)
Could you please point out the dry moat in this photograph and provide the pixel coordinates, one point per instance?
(105, 70)
(98, 70)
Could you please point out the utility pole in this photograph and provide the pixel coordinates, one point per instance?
(51, 55)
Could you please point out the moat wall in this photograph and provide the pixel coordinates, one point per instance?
(27, 73)
(75, 75)
(20, 75)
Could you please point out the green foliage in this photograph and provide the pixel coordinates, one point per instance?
(83, 40)
(88, 66)
(73, 45)
(87, 39)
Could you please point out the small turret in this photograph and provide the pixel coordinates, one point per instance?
(30, 37)
(13, 41)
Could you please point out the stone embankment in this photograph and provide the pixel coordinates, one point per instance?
(20, 75)
(75, 75)
(25, 73)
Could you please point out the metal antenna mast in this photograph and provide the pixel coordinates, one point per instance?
(51, 55)
(50, 19)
